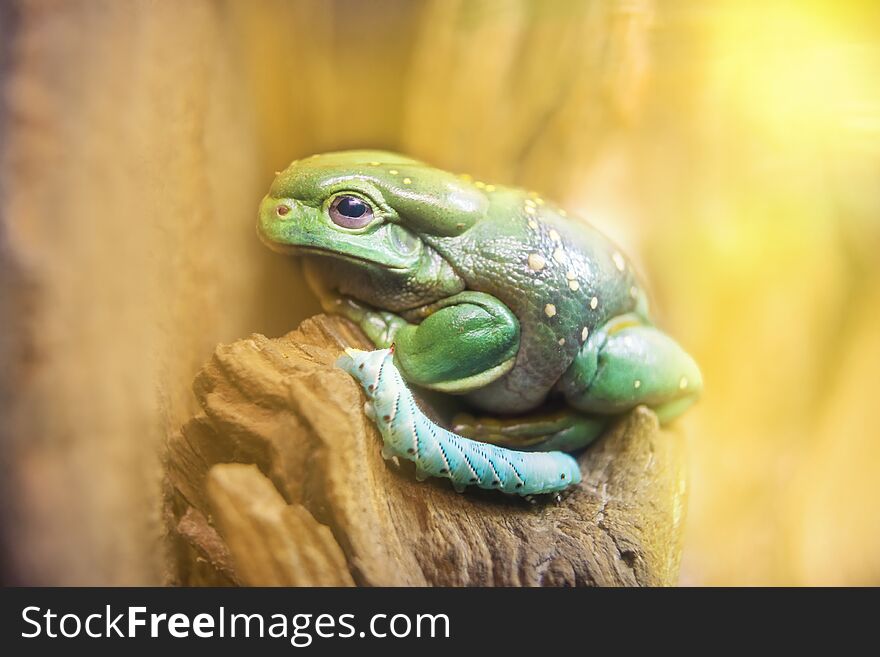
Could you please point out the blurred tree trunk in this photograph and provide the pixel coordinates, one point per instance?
(137, 139)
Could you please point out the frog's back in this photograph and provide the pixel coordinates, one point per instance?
(561, 278)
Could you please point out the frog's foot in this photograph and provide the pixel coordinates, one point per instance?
(626, 363)
(565, 430)
(379, 326)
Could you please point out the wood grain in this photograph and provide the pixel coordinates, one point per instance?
(279, 481)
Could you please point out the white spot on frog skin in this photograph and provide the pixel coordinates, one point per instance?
(277, 173)
(393, 172)
(594, 303)
(530, 203)
(550, 310)
(533, 224)
(554, 235)
(561, 341)
(529, 209)
(683, 383)
(375, 164)
(539, 200)
(574, 286)
(585, 333)
(536, 262)
(637, 384)
(634, 292)
(559, 256)
(571, 274)
(562, 213)
(407, 181)
(619, 262)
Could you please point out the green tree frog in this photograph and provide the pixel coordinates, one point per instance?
(488, 292)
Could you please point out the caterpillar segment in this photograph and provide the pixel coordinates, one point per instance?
(437, 452)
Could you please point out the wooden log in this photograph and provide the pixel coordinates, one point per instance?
(280, 481)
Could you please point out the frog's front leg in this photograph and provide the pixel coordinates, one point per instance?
(378, 325)
(626, 363)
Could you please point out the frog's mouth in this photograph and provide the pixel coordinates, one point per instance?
(315, 250)
(336, 255)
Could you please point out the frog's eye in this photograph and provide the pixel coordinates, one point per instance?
(350, 212)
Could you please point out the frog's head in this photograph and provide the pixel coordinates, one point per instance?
(369, 208)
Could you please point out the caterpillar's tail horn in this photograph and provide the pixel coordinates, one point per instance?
(360, 363)
(349, 360)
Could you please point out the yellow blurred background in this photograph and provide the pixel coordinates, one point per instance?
(732, 147)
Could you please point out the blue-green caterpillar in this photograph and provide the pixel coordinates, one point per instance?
(437, 452)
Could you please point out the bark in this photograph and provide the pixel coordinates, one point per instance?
(279, 481)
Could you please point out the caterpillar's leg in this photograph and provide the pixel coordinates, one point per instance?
(626, 363)
(565, 430)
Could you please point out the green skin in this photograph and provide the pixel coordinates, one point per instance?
(486, 291)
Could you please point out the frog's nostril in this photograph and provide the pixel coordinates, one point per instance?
(282, 210)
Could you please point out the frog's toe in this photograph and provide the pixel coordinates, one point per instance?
(564, 429)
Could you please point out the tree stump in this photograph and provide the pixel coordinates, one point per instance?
(279, 481)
